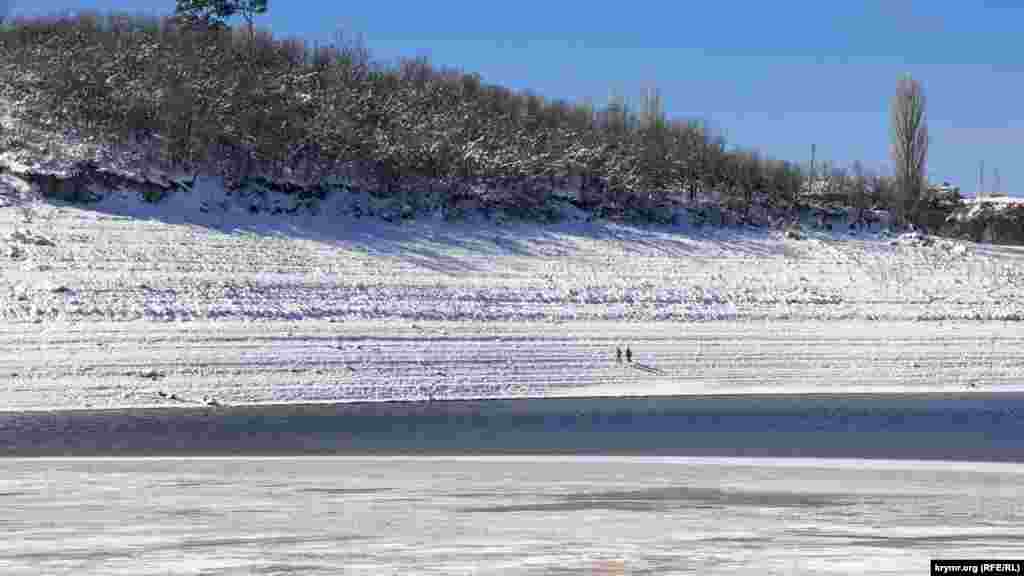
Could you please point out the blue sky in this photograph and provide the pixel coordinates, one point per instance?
(772, 76)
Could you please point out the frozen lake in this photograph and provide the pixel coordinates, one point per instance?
(719, 485)
(502, 515)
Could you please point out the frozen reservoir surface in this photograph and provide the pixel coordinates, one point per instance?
(503, 515)
(683, 485)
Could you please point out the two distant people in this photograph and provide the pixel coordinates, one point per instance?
(618, 354)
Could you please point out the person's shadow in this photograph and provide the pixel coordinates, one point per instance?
(646, 368)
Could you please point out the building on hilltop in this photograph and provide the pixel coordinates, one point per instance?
(944, 194)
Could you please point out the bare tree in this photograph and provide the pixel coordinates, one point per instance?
(909, 145)
(859, 191)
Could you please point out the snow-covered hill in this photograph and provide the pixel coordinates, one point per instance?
(127, 302)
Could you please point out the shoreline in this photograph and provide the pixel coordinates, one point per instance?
(467, 403)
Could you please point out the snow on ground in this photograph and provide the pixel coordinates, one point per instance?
(975, 207)
(503, 515)
(130, 363)
(114, 303)
(995, 200)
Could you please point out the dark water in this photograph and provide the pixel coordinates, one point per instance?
(984, 427)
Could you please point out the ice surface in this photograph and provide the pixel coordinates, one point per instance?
(501, 515)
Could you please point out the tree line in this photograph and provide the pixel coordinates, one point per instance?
(238, 103)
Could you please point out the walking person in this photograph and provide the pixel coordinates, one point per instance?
(618, 354)
(629, 354)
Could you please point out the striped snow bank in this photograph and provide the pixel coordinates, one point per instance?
(116, 303)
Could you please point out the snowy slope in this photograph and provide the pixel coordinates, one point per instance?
(116, 302)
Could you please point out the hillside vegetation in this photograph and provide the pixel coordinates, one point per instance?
(263, 280)
(211, 100)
